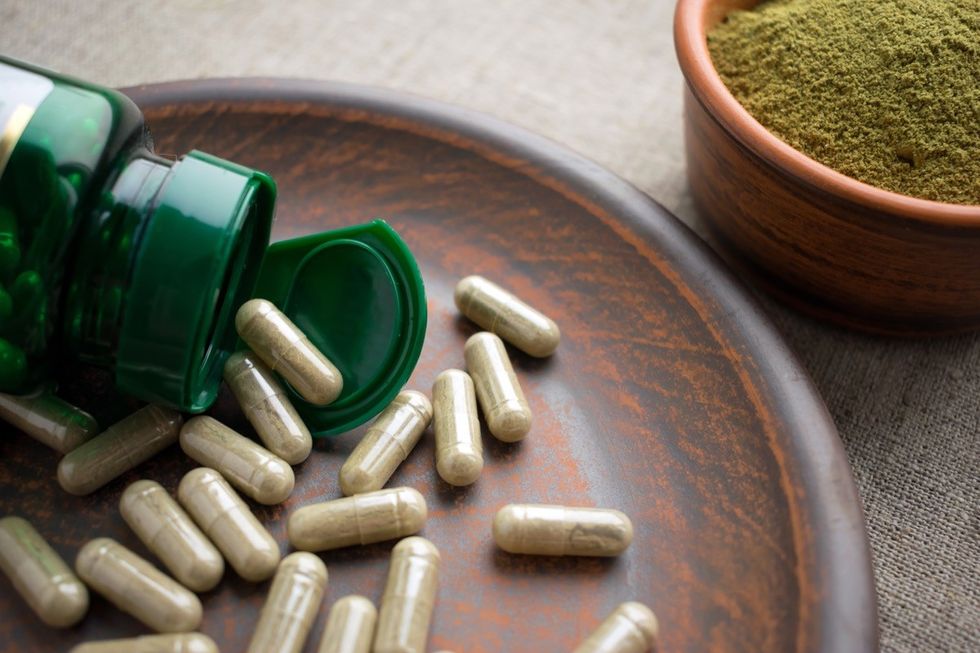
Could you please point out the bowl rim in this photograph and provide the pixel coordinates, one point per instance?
(691, 45)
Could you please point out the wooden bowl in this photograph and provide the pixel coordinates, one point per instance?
(823, 242)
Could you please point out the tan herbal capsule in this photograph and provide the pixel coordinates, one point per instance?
(251, 469)
(500, 312)
(223, 516)
(631, 628)
(409, 597)
(386, 444)
(360, 519)
(501, 399)
(559, 531)
(118, 449)
(267, 407)
(49, 420)
(350, 626)
(287, 351)
(459, 449)
(292, 604)
(171, 535)
(137, 588)
(39, 574)
(177, 643)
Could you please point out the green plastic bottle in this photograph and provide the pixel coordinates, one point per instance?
(117, 257)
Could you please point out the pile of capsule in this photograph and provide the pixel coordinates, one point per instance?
(209, 524)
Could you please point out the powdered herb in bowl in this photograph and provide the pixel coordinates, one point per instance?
(833, 151)
(885, 91)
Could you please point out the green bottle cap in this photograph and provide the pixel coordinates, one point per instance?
(355, 292)
(358, 296)
(199, 259)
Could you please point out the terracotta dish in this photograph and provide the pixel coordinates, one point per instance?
(821, 241)
(671, 397)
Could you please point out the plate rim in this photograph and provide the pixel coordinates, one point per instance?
(837, 614)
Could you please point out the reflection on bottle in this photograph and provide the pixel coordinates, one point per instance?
(6, 306)
(13, 364)
(26, 290)
(29, 297)
(46, 236)
(33, 179)
(9, 243)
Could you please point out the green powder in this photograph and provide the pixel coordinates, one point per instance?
(885, 91)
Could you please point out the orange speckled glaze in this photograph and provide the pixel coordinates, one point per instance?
(671, 398)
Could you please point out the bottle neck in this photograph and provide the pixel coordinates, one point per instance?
(161, 263)
(105, 255)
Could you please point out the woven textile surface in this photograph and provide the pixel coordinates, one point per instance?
(600, 77)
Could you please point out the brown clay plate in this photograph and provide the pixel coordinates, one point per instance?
(671, 398)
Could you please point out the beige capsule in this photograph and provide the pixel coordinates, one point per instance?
(168, 531)
(175, 643)
(497, 388)
(559, 531)
(49, 420)
(288, 352)
(350, 626)
(360, 519)
(409, 597)
(267, 407)
(386, 444)
(631, 628)
(118, 449)
(40, 575)
(246, 544)
(137, 587)
(292, 604)
(500, 312)
(254, 471)
(459, 449)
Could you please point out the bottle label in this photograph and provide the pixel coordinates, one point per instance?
(21, 92)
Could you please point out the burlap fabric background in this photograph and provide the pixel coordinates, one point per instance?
(600, 77)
